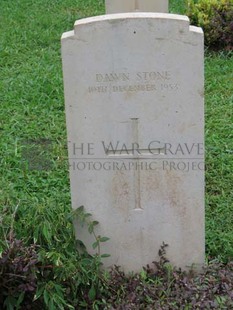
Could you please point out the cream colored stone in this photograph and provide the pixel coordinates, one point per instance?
(136, 80)
(124, 6)
(120, 6)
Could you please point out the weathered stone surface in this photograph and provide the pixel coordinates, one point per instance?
(135, 81)
(124, 6)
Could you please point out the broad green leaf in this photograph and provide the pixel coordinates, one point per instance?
(105, 255)
(104, 239)
(20, 299)
(51, 305)
(81, 208)
(86, 261)
(95, 244)
(46, 232)
(91, 228)
(46, 297)
(92, 293)
(87, 215)
(38, 293)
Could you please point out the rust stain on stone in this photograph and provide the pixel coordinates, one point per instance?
(121, 192)
(174, 194)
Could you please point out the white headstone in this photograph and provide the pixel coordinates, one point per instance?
(135, 122)
(124, 6)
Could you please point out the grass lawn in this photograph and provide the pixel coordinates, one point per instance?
(35, 198)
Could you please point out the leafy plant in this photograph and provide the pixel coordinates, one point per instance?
(95, 261)
(216, 19)
(18, 281)
(84, 219)
(54, 275)
(161, 286)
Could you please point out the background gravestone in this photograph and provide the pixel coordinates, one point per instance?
(135, 123)
(124, 6)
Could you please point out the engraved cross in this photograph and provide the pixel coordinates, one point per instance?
(131, 152)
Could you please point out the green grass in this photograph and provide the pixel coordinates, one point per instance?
(219, 163)
(32, 108)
